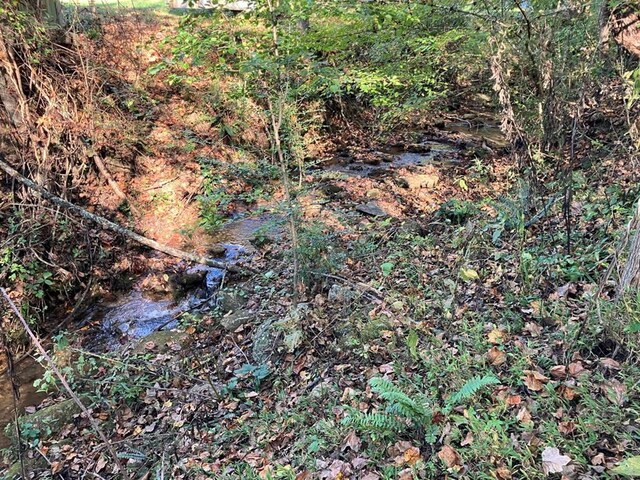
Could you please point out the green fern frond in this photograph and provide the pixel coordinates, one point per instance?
(133, 454)
(469, 389)
(375, 422)
(414, 408)
(397, 398)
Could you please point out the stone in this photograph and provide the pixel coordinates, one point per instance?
(265, 342)
(235, 320)
(47, 421)
(371, 208)
(338, 293)
(374, 193)
(231, 300)
(188, 280)
(418, 181)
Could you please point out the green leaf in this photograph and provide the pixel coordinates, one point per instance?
(629, 467)
(386, 268)
(412, 344)
(468, 274)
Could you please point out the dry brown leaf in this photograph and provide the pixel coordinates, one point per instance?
(359, 462)
(558, 372)
(468, 440)
(514, 400)
(566, 427)
(502, 473)
(576, 369)
(406, 474)
(524, 416)
(534, 380)
(609, 363)
(553, 461)
(449, 456)
(496, 336)
(533, 328)
(496, 357)
(615, 392)
(102, 462)
(566, 392)
(371, 476)
(352, 441)
(412, 456)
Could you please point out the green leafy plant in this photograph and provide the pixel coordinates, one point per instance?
(408, 410)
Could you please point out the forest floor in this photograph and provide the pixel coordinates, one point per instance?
(444, 330)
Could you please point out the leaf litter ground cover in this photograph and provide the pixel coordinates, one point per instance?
(436, 341)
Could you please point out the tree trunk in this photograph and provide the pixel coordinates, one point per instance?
(49, 11)
(630, 277)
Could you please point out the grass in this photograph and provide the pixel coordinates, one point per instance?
(124, 4)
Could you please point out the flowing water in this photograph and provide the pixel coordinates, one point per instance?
(138, 313)
(391, 158)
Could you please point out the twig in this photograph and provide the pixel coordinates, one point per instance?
(108, 224)
(112, 183)
(64, 383)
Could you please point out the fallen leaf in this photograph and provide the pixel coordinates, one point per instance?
(352, 441)
(102, 462)
(534, 380)
(524, 416)
(575, 369)
(468, 274)
(609, 363)
(412, 456)
(566, 427)
(468, 440)
(514, 400)
(566, 392)
(371, 476)
(533, 328)
(449, 456)
(558, 372)
(502, 473)
(359, 462)
(496, 357)
(496, 336)
(615, 392)
(629, 467)
(553, 461)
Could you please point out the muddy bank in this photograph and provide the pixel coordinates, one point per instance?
(27, 371)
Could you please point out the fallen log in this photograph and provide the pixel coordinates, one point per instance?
(108, 224)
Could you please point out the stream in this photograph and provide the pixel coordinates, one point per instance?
(112, 325)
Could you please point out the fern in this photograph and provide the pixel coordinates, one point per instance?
(402, 407)
(469, 389)
(399, 401)
(375, 422)
(133, 454)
